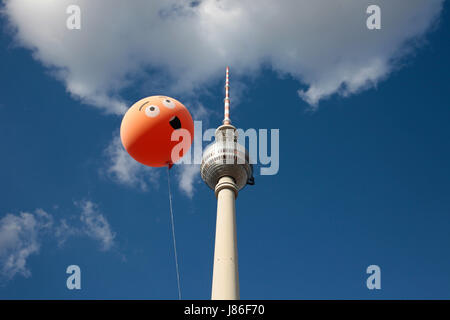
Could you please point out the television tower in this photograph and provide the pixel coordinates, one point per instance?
(226, 169)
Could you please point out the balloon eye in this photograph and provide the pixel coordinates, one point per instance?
(151, 111)
(169, 103)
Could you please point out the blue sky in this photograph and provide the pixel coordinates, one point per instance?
(364, 179)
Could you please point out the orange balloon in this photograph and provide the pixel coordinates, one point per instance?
(147, 128)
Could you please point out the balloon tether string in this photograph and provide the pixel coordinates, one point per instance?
(173, 233)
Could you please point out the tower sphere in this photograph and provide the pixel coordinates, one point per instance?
(226, 157)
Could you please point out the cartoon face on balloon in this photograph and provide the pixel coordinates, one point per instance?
(154, 128)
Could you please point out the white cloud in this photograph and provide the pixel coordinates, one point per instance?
(123, 169)
(20, 237)
(64, 231)
(95, 225)
(199, 111)
(324, 44)
(188, 174)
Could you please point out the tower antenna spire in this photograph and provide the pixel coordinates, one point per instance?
(226, 119)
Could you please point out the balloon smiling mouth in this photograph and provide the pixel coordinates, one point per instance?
(175, 122)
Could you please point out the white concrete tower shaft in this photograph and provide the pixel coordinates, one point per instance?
(225, 285)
